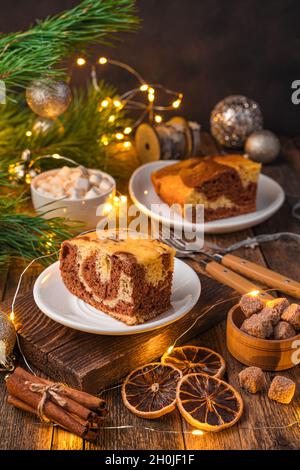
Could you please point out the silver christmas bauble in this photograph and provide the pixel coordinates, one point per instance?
(48, 98)
(262, 146)
(234, 119)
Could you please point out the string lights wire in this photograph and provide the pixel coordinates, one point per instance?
(194, 432)
(147, 105)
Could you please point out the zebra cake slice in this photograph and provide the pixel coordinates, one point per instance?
(128, 278)
(225, 185)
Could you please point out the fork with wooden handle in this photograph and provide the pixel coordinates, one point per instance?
(249, 269)
(229, 278)
(261, 274)
(218, 272)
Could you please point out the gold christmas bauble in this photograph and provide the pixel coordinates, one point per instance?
(262, 146)
(7, 338)
(48, 98)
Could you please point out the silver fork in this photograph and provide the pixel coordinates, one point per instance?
(181, 247)
(212, 265)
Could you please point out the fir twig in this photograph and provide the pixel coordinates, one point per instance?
(28, 237)
(29, 55)
(77, 134)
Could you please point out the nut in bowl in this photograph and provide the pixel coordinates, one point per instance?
(264, 352)
(72, 193)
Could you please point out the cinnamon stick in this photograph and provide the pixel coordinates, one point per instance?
(70, 405)
(14, 401)
(17, 387)
(85, 399)
(11, 400)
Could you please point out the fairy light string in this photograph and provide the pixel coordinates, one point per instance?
(147, 105)
(194, 432)
(142, 98)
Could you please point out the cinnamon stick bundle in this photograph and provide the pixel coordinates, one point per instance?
(74, 410)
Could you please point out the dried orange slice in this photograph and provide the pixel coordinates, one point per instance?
(208, 403)
(193, 359)
(150, 391)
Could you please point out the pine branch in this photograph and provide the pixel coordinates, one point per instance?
(77, 134)
(25, 236)
(29, 55)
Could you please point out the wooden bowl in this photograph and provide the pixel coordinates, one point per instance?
(264, 353)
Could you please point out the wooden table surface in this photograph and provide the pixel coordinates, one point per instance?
(264, 425)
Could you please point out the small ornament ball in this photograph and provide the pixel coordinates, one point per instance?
(262, 146)
(7, 339)
(42, 125)
(48, 98)
(234, 119)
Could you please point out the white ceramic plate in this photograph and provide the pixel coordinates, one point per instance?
(54, 299)
(270, 197)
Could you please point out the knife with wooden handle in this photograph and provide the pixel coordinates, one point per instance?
(232, 279)
(261, 274)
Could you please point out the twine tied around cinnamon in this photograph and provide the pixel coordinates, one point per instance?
(47, 391)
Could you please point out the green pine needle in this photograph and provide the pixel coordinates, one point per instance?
(25, 236)
(77, 134)
(27, 56)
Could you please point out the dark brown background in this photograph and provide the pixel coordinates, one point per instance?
(205, 48)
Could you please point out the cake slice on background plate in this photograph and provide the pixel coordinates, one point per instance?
(226, 185)
(128, 278)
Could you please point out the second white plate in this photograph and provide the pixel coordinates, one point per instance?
(270, 197)
(53, 298)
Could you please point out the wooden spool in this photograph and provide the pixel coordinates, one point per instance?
(173, 140)
(272, 355)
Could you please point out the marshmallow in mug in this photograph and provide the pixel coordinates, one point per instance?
(73, 183)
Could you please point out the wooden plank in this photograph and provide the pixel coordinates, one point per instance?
(259, 411)
(20, 430)
(91, 361)
(137, 438)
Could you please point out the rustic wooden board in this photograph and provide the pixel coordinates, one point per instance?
(260, 426)
(93, 362)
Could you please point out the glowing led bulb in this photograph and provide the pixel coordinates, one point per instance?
(104, 103)
(151, 91)
(107, 208)
(123, 198)
(197, 432)
(254, 293)
(116, 199)
(170, 349)
(104, 140)
(150, 98)
(81, 61)
(27, 178)
(112, 118)
(127, 130)
(158, 118)
(117, 103)
(28, 133)
(127, 144)
(119, 135)
(144, 87)
(12, 316)
(176, 103)
(102, 60)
